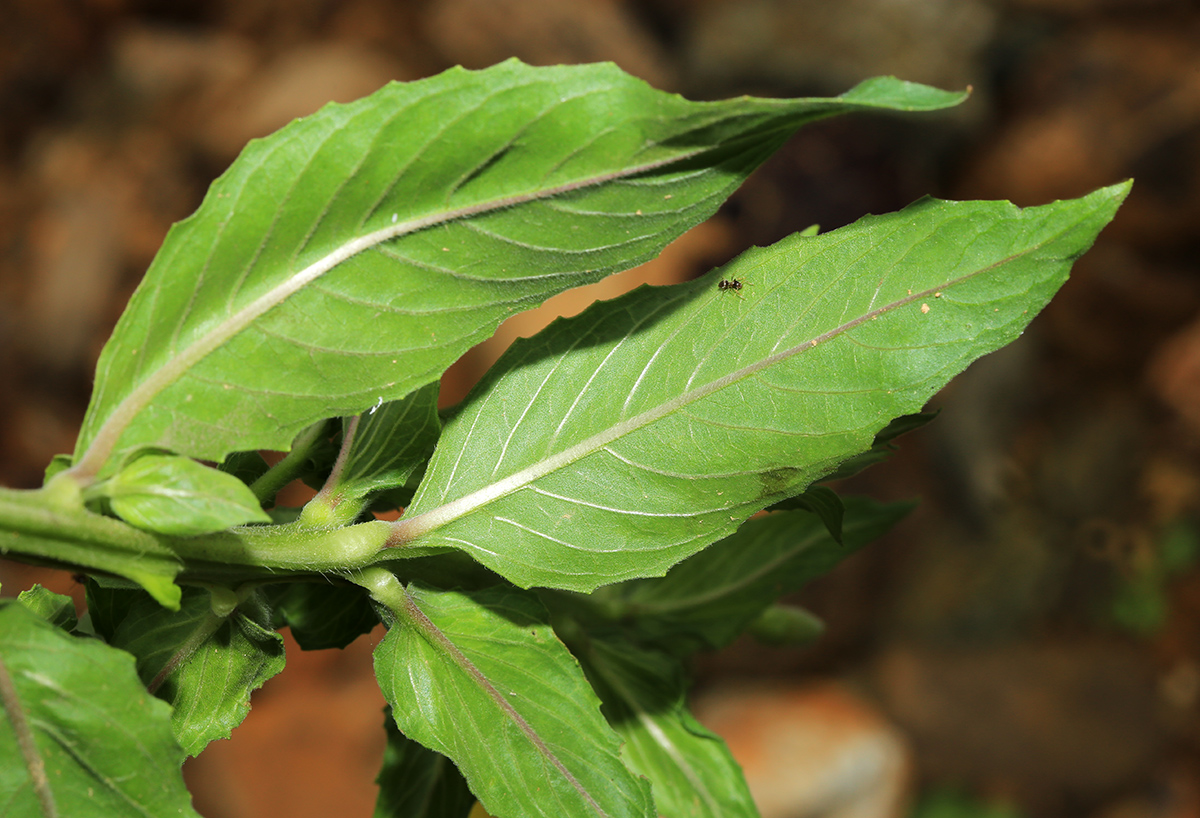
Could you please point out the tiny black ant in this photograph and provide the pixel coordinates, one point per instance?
(729, 284)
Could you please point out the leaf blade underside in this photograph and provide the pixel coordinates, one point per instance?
(101, 745)
(481, 678)
(356, 253)
(616, 443)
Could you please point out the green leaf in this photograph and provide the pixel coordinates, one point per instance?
(706, 601)
(618, 442)
(881, 448)
(177, 496)
(325, 616)
(786, 625)
(245, 466)
(81, 735)
(418, 783)
(58, 463)
(108, 604)
(57, 609)
(823, 502)
(201, 662)
(382, 449)
(481, 678)
(392, 443)
(356, 253)
(643, 694)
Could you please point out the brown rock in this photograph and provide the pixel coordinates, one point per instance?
(815, 749)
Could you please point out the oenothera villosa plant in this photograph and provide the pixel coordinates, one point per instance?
(580, 524)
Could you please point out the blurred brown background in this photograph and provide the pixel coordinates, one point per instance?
(1028, 642)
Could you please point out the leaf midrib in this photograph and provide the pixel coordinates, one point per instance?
(440, 641)
(405, 530)
(106, 438)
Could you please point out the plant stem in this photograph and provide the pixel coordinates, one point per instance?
(37, 528)
(290, 467)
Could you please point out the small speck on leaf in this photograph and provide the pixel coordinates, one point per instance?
(924, 308)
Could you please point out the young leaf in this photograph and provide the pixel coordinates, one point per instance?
(205, 665)
(707, 600)
(643, 695)
(786, 625)
(616, 443)
(81, 736)
(57, 609)
(418, 783)
(178, 496)
(356, 253)
(381, 450)
(391, 443)
(481, 678)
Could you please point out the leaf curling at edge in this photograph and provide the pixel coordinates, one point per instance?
(482, 678)
(618, 442)
(101, 743)
(429, 212)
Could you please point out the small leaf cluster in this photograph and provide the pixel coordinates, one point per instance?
(627, 487)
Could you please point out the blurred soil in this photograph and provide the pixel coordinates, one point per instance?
(1030, 634)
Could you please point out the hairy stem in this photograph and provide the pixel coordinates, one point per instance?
(291, 466)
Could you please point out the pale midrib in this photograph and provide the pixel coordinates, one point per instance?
(441, 641)
(106, 438)
(407, 529)
(35, 765)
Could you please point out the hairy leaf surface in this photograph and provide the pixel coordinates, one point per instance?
(614, 444)
(204, 664)
(389, 444)
(80, 736)
(481, 678)
(356, 253)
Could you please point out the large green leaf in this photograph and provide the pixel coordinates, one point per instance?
(692, 773)
(356, 253)
(80, 736)
(618, 442)
(205, 663)
(482, 679)
(418, 783)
